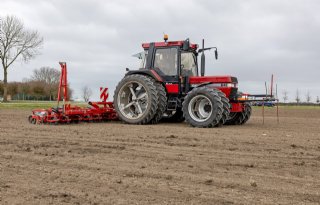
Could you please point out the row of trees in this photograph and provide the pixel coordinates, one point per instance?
(42, 85)
(298, 99)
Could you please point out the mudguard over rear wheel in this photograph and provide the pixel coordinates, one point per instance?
(202, 107)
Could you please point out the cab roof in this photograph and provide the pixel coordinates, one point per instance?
(169, 44)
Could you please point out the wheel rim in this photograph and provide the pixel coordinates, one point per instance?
(200, 108)
(133, 100)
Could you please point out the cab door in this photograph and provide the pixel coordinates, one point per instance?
(188, 64)
(166, 64)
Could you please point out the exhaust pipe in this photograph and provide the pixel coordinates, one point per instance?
(203, 60)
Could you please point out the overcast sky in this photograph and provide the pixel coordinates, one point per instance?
(254, 38)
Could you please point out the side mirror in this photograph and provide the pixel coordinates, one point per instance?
(216, 54)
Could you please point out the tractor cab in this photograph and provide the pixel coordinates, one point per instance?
(166, 61)
(175, 63)
(171, 59)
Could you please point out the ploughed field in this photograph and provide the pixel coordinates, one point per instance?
(114, 163)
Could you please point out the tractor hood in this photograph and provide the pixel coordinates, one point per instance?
(214, 80)
(227, 84)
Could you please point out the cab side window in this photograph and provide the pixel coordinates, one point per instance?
(188, 64)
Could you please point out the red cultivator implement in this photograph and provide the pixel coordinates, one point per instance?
(96, 112)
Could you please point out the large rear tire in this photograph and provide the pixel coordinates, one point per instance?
(136, 99)
(162, 103)
(202, 107)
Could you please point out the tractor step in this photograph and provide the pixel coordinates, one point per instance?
(172, 104)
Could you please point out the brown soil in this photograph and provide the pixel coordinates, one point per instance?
(114, 163)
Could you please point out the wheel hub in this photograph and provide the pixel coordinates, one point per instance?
(200, 108)
(132, 100)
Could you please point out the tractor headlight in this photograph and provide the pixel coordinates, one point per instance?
(229, 85)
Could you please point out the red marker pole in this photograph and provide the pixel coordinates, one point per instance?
(271, 86)
(277, 103)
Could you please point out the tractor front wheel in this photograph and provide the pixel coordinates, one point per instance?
(226, 108)
(202, 107)
(240, 118)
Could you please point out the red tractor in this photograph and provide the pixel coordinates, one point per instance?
(168, 85)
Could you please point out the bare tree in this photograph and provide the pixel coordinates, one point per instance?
(16, 42)
(298, 97)
(86, 93)
(285, 96)
(308, 97)
(318, 100)
(50, 77)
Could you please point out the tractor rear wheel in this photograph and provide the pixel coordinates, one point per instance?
(240, 118)
(202, 107)
(162, 103)
(136, 99)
